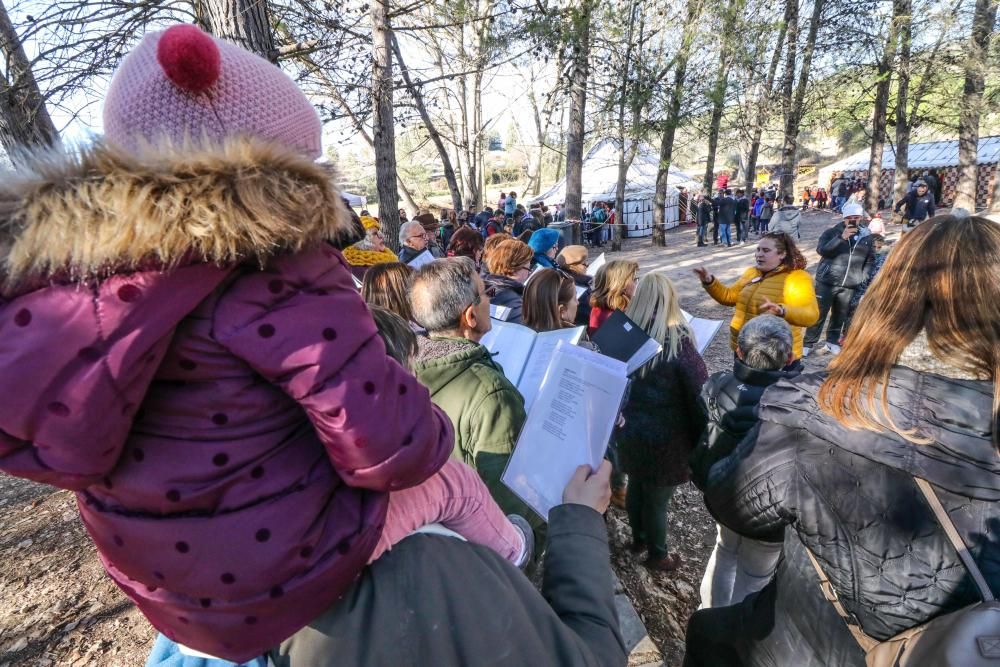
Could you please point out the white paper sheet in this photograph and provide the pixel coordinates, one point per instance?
(357, 283)
(499, 312)
(595, 265)
(511, 346)
(648, 350)
(704, 330)
(420, 260)
(580, 289)
(525, 354)
(569, 425)
(538, 361)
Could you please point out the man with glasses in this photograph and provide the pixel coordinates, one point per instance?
(449, 299)
(412, 241)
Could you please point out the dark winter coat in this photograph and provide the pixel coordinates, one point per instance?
(844, 263)
(705, 211)
(729, 403)
(434, 600)
(849, 497)
(918, 207)
(662, 419)
(504, 291)
(408, 254)
(742, 209)
(726, 210)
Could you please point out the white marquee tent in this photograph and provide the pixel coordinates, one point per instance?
(600, 179)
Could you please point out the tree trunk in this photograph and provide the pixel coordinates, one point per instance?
(384, 131)
(789, 154)
(718, 93)
(672, 121)
(625, 154)
(577, 115)
(24, 120)
(788, 146)
(763, 111)
(246, 23)
(879, 114)
(971, 103)
(418, 100)
(904, 10)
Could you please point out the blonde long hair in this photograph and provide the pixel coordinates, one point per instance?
(943, 279)
(610, 283)
(656, 309)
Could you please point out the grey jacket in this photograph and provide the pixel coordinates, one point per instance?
(434, 600)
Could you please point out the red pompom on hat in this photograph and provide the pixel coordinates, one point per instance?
(189, 57)
(158, 96)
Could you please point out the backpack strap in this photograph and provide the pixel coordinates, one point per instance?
(956, 540)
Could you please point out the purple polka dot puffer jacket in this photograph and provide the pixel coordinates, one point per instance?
(182, 349)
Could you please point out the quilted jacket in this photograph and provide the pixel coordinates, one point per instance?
(849, 497)
(793, 289)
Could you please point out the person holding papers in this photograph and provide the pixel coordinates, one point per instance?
(509, 265)
(776, 284)
(412, 241)
(550, 302)
(574, 260)
(449, 300)
(545, 243)
(662, 419)
(613, 288)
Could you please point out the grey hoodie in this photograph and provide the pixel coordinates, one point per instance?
(787, 220)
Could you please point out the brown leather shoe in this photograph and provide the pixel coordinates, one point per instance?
(618, 498)
(668, 563)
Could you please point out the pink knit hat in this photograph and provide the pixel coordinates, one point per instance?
(184, 84)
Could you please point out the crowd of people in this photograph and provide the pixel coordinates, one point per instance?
(278, 466)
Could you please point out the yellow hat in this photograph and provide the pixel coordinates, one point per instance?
(370, 223)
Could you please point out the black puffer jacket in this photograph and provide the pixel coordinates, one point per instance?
(844, 263)
(850, 498)
(729, 403)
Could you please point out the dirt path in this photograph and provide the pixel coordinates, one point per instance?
(58, 608)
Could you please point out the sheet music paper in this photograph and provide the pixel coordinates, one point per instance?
(501, 313)
(704, 330)
(524, 354)
(569, 424)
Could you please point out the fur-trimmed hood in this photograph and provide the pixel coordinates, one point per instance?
(101, 211)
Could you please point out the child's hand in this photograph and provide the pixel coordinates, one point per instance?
(592, 489)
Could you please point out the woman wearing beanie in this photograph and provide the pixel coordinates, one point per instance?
(574, 260)
(187, 352)
(544, 243)
(370, 250)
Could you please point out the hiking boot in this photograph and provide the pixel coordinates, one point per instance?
(668, 563)
(618, 498)
(528, 535)
(637, 546)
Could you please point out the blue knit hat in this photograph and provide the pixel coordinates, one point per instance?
(543, 239)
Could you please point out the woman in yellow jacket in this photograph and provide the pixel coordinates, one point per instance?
(776, 284)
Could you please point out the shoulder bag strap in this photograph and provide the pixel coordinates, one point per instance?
(956, 540)
(864, 641)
